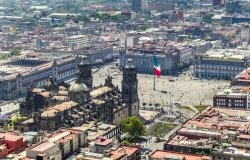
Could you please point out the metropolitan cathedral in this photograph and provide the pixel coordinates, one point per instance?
(70, 105)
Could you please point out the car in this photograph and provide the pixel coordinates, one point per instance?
(171, 80)
(165, 92)
(177, 104)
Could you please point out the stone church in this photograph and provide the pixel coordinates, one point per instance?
(64, 105)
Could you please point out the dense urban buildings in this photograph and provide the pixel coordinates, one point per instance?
(139, 5)
(206, 133)
(172, 56)
(80, 102)
(124, 79)
(242, 79)
(222, 63)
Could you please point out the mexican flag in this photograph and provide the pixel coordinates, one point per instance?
(157, 67)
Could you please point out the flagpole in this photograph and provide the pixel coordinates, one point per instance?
(154, 83)
(154, 76)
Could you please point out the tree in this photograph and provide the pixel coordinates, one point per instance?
(157, 104)
(207, 18)
(142, 28)
(125, 142)
(134, 127)
(119, 18)
(15, 52)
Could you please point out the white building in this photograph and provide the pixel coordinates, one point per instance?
(45, 150)
(245, 33)
(144, 5)
(76, 40)
(128, 41)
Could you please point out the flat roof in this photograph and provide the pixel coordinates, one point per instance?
(43, 147)
(10, 137)
(77, 36)
(59, 136)
(120, 151)
(168, 154)
(236, 53)
(103, 141)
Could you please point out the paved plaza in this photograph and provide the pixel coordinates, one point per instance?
(183, 89)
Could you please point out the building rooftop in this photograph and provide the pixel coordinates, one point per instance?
(103, 141)
(179, 140)
(51, 112)
(95, 131)
(212, 127)
(234, 92)
(43, 147)
(148, 115)
(237, 54)
(244, 75)
(10, 136)
(76, 36)
(100, 91)
(9, 108)
(59, 136)
(64, 134)
(158, 154)
(124, 150)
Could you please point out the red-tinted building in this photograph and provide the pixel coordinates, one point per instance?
(9, 142)
(242, 79)
(161, 155)
(126, 152)
(179, 15)
(3, 151)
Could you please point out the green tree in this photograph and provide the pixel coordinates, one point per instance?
(125, 142)
(157, 104)
(119, 18)
(142, 28)
(207, 18)
(134, 127)
(15, 52)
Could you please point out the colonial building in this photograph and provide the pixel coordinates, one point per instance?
(63, 105)
(235, 97)
(17, 83)
(221, 63)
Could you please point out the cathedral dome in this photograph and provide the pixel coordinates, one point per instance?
(78, 87)
(129, 64)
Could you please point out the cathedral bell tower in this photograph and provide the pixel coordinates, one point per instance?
(85, 73)
(130, 87)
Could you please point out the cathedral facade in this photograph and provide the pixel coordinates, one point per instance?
(64, 105)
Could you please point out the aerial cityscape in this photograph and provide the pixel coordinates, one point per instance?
(125, 79)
